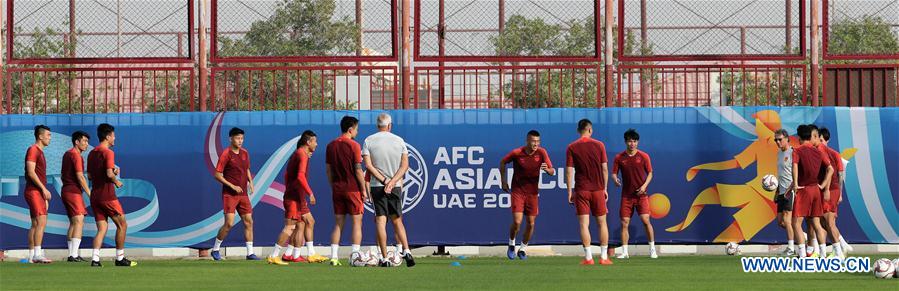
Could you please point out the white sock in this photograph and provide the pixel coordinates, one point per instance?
(217, 245)
(407, 251)
(802, 251)
(588, 253)
(523, 246)
(822, 249)
(334, 248)
(95, 256)
(37, 252)
(289, 251)
(652, 246)
(357, 248)
(791, 244)
(605, 252)
(512, 242)
(399, 249)
(277, 251)
(310, 248)
(250, 248)
(843, 243)
(69, 247)
(624, 249)
(296, 252)
(30, 254)
(76, 245)
(838, 250)
(119, 254)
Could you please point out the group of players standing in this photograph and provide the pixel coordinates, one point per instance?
(806, 173)
(810, 178)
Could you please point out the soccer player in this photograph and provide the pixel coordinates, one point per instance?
(103, 172)
(343, 165)
(636, 173)
(387, 159)
(831, 206)
(785, 190)
(587, 168)
(296, 211)
(807, 163)
(527, 161)
(233, 171)
(73, 183)
(36, 193)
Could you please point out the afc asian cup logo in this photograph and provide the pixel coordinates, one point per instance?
(415, 183)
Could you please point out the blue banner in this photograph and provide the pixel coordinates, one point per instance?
(453, 194)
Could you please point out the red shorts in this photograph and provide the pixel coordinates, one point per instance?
(74, 203)
(832, 206)
(808, 202)
(347, 203)
(629, 202)
(295, 209)
(104, 209)
(239, 203)
(590, 202)
(529, 204)
(37, 206)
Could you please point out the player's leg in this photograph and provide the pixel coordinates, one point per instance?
(41, 224)
(530, 223)
(791, 235)
(821, 234)
(120, 233)
(247, 219)
(625, 236)
(831, 221)
(381, 235)
(76, 225)
(102, 226)
(799, 235)
(339, 220)
(357, 231)
(584, 228)
(650, 234)
(308, 232)
(275, 257)
(298, 239)
(513, 232)
(603, 240)
(222, 234)
(31, 231)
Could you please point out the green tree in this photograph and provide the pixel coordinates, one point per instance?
(866, 35)
(43, 92)
(574, 87)
(295, 28)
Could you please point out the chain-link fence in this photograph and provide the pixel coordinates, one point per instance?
(293, 30)
(862, 29)
(735, 29)
(499, 28)
(100, 29)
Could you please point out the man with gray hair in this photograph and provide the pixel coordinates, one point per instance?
(387, 159)
(785, 191)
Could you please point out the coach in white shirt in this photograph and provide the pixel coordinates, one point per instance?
(387, 160)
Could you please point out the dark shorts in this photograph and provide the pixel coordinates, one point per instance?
(387, 204)
(785, 201)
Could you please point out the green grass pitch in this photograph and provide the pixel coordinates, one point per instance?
(536, 273)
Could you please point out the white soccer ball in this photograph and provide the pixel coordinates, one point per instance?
(359, 259)
(769, 182)
(394, 259)
(371, 259)
(884, 269)
(732, 249)
(896, 267)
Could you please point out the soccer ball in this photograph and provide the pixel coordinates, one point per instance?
(896, 266)
(884, 269)
(769, 182)
(359, 259)
(371, 259)
(732, 249)
(394, 259)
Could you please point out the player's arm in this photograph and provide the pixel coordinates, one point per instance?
(221, 178)
(110, 173)
(372, 171)
(304, 183)
(615, 173)
(547, 166)
(360, 179)
(83, 183)
(646, 184)
(250, 188)
(827, 179)
(504, 183)
(29, 172)
(569, 179)
(400, 173)
(328, 173)
(605, 178)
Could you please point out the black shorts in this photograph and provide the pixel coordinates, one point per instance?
(387, 204)
(785, 201)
